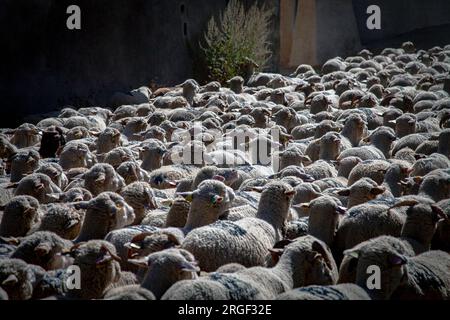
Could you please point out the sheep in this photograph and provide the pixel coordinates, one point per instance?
(443, 147)
(39, 186)
(208, 203)
(304, 262)
(75, 195)
(54, 172)
(77, 133)
(404, 277)
(412, 141)
(129, 293)
(140, 197)
(166, 268)
(16, 279)
(366, 221)
(166, 177)
(152, 153)
(99, 268)
(305, 192)
(61, 219)
(41, 248)
(23, 163)
(320, 170)
(7, 149)
(76, 154)
(345, 166)
(424, 166)
(262, 232)
(20, 215)
(420, 226)
(106, 212)
(52, 140)
(361, 192)
(345, 291)
(108, 140)
(26, 135)
(355, 129)
(324, 215)
(373, 169)
(118, 155)
(131, 172)
(331, 145)
(436, 185)
(101, 178)
(229, 177)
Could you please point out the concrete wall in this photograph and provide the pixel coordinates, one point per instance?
(315, 30)
(122, 44)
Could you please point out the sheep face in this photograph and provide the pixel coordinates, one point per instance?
(76, 155)
(27, 135)
(312, 260)
(108, 140)
(40, 249)
(387, 253)
(16, 278)
(55, 173)
(145, 244)
(209, 202)
(362, 191)
(19, 216)
(131, 172)
(99, 266)
(24, 163)
(324, 216)
(39, 186)
(330, 146)
(102, 177)
(166, 268)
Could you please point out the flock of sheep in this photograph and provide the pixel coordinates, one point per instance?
(358, 180)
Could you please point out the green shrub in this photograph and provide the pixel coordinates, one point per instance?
(239, 35)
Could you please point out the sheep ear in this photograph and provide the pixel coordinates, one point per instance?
(354, 253)
(258, 189)
(12, 185)
(143, 262)
(189, 267)
(321, 248)
(405, 203)
(81, 205)
(377, 190)
(172, 238)
(188, 196)
(11, 280)
(276, 253)
(141, 237)
(10, 240)
(71, 224)
(440, 213)
(344, 192)
(54, 196)
(218, 178)
(166, 202)
(303, 206)
(289, 193)
(42, 249)
(397, 260)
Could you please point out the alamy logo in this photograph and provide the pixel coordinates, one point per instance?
(374, 280)
(374, 20)
(74, 20)
(73, 280)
